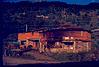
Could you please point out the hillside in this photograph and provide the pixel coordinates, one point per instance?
(47, 15)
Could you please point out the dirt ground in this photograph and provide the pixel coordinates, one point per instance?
(16, 61)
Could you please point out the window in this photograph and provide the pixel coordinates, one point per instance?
(68, 43)
(36, 40)
(23, 42)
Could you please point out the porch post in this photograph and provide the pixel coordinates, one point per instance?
(87, 47)
(27, 43)
(74, 47)
(40, 47)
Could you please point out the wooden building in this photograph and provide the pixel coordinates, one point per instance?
(65, 39)
(69, 40)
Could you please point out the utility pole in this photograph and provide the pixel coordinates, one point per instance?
(26, 27)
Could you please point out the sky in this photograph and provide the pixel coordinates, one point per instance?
(82, 2)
